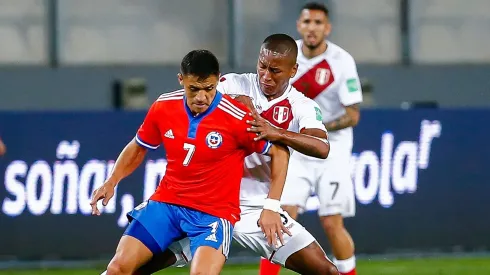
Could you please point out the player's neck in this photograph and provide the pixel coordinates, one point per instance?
(314, 52)
(277, 95)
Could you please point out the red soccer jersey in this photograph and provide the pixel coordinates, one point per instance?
(205, 153)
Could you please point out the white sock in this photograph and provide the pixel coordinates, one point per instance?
(346, 265)
(104, 273)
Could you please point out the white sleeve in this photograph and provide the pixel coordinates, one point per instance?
(350, 87)
(230, 84)
(310, 115)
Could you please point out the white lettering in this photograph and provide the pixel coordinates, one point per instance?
(428, 131)
(39, 174)
(66, 170)
(385, 197)
(405, 177)
(368, 160)
(14, 207)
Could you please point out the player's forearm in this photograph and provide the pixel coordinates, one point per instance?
(349, 119)
(279, 168)
(340, 123)
(130, 158)
(305, 144)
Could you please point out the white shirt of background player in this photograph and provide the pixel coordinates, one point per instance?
(327, 73)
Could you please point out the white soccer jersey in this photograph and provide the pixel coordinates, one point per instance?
(331, 80)
(292, 111)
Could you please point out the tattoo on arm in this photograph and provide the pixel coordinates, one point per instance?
(344, 121)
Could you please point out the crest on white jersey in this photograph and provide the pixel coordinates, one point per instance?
(214, 140)
(322, 76)
(280, 114)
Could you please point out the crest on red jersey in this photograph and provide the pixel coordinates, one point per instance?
(214, 140)
(280, 114)
(322, 76)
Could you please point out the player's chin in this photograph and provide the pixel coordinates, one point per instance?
(268, 90)
(313, 45)
(199, 108)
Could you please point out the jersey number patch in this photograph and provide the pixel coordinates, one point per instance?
(190, 148)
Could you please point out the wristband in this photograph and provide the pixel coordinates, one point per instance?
(272, 205)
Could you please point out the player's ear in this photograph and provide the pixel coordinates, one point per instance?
(298, 25)
(181, 79)
(328, 28)
(294, 70)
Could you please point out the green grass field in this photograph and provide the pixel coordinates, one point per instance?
(426, 266)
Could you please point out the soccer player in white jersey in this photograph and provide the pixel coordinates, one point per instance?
(328, 75)
(286, 117)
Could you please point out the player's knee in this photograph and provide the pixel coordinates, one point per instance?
(202, 272)
(328, 268)
(332, 224)
(117, 267)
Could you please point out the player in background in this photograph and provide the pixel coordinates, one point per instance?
(3, 148)
(328, 75)
(203, 131)
(289, 118)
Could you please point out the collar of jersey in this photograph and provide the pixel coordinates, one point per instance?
(214, 104)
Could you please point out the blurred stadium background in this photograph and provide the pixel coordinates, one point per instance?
(77, 75)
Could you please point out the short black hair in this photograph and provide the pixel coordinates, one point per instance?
(200, 63)
(281, 43)
(315, 6)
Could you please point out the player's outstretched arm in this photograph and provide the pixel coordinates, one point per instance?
(130, 158)
(311, 142)
(270, 220)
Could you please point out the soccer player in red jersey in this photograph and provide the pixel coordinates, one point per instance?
(282, 115)
(206, 140)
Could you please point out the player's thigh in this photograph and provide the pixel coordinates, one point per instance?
(207, 261)
(204, 230)
(298, 186)
(177, 255)
(311, 260)
(135, 248)
(249, 235)
(157, 262)
(335, 189)
(159, 221)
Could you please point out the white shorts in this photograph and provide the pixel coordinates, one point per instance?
(247, 233)
(329, 179)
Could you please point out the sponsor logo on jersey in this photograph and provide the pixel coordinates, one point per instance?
(214, 140)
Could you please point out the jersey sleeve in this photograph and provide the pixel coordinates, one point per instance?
(148, 134)
(231, 84)
(350, 87)
(310, 116)
(247, 139)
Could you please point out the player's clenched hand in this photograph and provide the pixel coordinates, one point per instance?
(105, 192)
(271, 224)
(264, 129)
